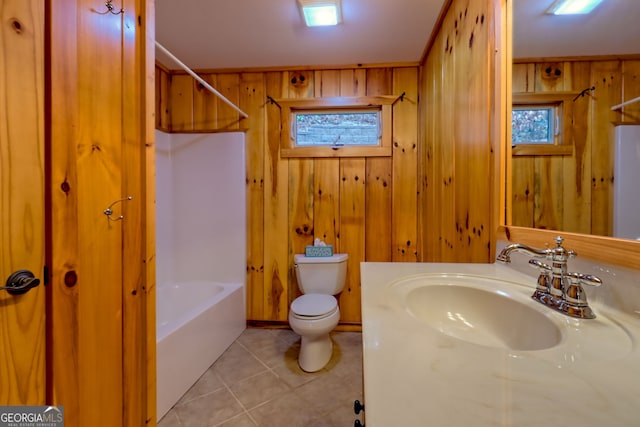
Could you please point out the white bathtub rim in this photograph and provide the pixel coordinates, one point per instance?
(165, 330)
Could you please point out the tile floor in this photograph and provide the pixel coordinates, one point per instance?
(257, 382)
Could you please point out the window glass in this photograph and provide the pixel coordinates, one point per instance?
(336, 128)
(533, 125)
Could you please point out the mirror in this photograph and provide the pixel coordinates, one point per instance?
(591, 62)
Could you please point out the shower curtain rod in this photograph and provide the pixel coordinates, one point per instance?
(631, 101)
(201, 80)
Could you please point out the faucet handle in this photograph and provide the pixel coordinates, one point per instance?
(541, 293)
(539, 265)
(585, 279)
(576, 298)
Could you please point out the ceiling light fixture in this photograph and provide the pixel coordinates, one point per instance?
(572, 7)
(318, 13)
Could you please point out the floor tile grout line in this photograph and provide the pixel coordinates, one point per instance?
(178, 418)
(269, 368)
(181, 402)
(228, 386)
(254, 355)
(244, 409)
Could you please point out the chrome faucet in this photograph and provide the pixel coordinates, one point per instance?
(556, 287)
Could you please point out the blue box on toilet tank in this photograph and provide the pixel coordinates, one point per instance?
(318, 251)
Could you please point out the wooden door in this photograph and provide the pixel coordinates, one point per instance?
(22, 229)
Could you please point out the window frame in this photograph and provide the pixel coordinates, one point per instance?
(563, 136)
(331, 105)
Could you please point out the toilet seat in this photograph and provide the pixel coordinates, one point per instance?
(314, 306)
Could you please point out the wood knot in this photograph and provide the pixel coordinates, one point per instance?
(17, 26)
(552, 71)
(299, 80)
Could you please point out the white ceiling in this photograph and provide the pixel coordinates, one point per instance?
(613, 28)
(270, 33)
(217, 34)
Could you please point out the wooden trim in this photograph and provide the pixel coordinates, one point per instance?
(343, 151)
(149, 210)
(504, 153)
(336, 102)
(542, 150)
(407, 64)
(288, 150)
(543, 97)
(634, 123)
(620, 252)
(164, 68)
(628, 57)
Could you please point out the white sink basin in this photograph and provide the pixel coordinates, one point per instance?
(479, 316)
(500, 314)
(471, 339)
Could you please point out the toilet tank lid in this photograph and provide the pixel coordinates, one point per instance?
(303, 259)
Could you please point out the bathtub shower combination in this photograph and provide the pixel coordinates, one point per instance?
(201, 229)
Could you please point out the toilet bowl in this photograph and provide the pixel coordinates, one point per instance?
(315, 314)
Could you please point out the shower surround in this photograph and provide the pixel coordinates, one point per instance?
(201, 255)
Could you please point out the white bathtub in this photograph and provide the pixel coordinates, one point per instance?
(196, 323)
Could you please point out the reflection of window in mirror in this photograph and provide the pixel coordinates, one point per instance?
(541, 124)
(534, 124)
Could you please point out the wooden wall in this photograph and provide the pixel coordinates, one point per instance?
(575, 192)
(365, 207)
(100, 299)
(460, 133)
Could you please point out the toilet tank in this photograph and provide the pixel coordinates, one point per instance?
(321, 275)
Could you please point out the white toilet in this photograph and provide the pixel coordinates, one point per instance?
(315, 313)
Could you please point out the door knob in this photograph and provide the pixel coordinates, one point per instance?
(20, 282)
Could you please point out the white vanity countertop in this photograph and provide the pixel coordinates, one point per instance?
(416, 375)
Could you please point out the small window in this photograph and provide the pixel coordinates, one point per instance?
(336, 127)
(542, 124)
(533, 124)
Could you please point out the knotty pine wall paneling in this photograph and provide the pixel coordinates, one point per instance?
(301, 231)
(101, 344)
(458, 82)
(365, 207)
(378, 184)
(352, 212)
(138, 231)
(405, 167)
(86, 158)
(268, 279)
